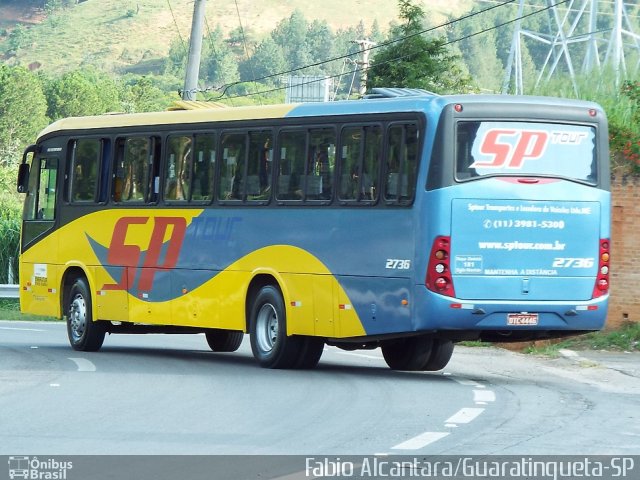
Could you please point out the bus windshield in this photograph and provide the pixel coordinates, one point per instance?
(525, 148)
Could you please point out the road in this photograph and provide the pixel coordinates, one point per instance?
(171, 395)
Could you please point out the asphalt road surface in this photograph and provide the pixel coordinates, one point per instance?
(169, 394)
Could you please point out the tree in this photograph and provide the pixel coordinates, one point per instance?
(176, 60)
(268, 59)
(320, 44)
(23, 110)
(22, 115)
(414, 61)
(219, 65)
(291, 35)
(82, 92)
(376, 34)
(479, 52)
(142, 95)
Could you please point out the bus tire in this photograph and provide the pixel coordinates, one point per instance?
(310, 353)
(224, 340)
(271, 346)
(411, 354)
(440, 355)
(85, 335)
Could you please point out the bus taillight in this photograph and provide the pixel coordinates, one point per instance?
(602, 280)
(438, 271)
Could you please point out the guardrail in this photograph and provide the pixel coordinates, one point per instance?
(9, 291)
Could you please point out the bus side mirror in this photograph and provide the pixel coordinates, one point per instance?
(23, 178)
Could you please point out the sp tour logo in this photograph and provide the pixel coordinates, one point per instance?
(511, 148)
(34, 468)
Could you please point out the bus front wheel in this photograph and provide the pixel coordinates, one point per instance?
(270, 344)
(224, 340)
(84, 334)
(310, 353)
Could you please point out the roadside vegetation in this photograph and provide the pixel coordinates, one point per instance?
(624, 339)
(10, 310)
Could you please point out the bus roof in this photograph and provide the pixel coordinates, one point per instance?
(203, 112)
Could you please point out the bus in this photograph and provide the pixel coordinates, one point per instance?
(405, 220)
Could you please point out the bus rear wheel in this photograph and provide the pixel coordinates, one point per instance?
(84, 334)
(411, 354)
(224, 340)
(271, 346)
(441, 353)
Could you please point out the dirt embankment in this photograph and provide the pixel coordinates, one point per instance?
(26, 12)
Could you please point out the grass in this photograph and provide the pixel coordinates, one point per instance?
(10, 310)
(624, 339)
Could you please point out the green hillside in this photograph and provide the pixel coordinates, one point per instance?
(121, 35)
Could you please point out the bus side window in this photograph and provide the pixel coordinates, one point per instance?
(402, 163)
(85, 163)
(361, 153)
(350, 170)
(41, 197)
(319, 179)
(291, 164)
(232, 168)
(203, 167)
(371, 164)
(135, 170)
(178, 168)
(258, 183)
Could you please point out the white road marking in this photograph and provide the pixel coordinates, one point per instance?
(54, 384)
(464, 415)
(467, 383)
(420, 441)
(83, 364)
(484, 396)
(23, 329)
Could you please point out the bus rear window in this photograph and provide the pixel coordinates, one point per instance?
(525, 148)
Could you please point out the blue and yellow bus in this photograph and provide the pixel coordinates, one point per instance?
(406, 221)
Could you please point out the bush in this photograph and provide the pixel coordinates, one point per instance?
(624, 136)
(10, 214)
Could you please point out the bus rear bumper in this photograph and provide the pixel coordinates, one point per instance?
(509, 320)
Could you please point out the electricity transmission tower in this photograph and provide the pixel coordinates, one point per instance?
(570, 24)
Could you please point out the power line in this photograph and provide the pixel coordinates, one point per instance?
(184, 47)
(225, 87)
(244, 42)
(495, 27)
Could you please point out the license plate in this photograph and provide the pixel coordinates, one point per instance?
(522, 319)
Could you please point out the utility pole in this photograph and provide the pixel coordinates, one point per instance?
(365, 47)
(195, 49)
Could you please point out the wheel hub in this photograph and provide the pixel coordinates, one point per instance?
(267, 328)
(78, 317)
